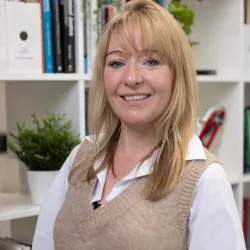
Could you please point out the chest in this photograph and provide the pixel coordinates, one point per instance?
(121, 169)
(126, 222)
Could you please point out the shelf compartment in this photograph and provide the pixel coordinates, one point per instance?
(16, 205)
(246, 178)
(234, 179)
(217, 79)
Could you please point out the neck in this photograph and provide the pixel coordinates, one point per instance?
(137, 141)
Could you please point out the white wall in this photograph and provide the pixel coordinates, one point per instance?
(3, 125)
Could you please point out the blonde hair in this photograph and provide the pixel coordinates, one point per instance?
(176, 124)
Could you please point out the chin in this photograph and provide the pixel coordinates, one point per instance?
(134, 121)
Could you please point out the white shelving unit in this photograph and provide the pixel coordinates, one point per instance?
(44, 77)
(224, 47)
(16, 205)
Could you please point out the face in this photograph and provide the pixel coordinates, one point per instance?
(138, 86)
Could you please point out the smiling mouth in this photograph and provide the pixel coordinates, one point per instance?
(136, 97)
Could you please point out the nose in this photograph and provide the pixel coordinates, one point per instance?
(133, 75)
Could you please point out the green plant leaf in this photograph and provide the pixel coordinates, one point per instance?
(182, 14)
(47, 145)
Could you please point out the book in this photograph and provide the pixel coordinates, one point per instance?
(3, 42)
(57, 35)
(245, 218)
(23, 37)
(48, 39)
(247, 139)
(69, 36)
(247, 12)
(85, 49)
(86, 111)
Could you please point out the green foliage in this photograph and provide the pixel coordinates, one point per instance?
(47, 145)
(182, 14)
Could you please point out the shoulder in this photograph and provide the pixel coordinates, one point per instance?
(214, 176)
(214, 205)
(78, 165)
(213, 186)
(75, 152)
(214, 171)
(80, 150)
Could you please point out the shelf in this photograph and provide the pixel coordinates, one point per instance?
(15, 205)
(217, 79)
(44, 77)
(234, 179)
(246, 178)
(87, 77)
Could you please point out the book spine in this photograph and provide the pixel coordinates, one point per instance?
(69, 37)
(61, 11)
(247, 11)
(245, 218)
(86, 111)
(247, 139)
(65, 34)
(3, 42)
(47, 33)
(85, 45)
(42, 36)
(248, 226)
(56, 21)
(92, 31)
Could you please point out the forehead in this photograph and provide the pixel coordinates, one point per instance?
(129, 39)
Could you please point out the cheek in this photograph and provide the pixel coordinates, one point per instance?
(110, 82)
(164, 90)
(162, 85)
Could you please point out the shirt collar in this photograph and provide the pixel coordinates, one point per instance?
(195, 152)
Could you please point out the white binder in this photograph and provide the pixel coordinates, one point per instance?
(24, 42)
(247, 52)
(3, 62)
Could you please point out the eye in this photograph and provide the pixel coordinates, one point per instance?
(116, 64)
(152, 62)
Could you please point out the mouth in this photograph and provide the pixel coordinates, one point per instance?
(135, 97)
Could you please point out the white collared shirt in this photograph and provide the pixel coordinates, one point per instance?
(214, 222)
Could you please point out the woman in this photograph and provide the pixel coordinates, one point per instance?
(143, 181)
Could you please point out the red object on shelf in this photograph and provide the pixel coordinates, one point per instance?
(209, 125)
(245, 218)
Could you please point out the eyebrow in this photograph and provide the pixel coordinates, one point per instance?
(113, 52)
(142, 51)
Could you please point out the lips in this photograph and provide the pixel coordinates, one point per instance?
(135, 97)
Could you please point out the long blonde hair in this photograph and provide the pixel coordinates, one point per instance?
(177, 122)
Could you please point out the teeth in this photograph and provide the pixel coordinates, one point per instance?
(135, 97)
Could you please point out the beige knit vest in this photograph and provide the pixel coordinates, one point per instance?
(128, 222)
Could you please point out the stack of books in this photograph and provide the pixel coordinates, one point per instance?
(38, 36)
(58, 35)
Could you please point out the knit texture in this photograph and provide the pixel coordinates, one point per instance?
(128, 221)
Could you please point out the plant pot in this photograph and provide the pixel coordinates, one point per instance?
(39, 184)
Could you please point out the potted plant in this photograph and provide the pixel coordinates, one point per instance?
(43, 150)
